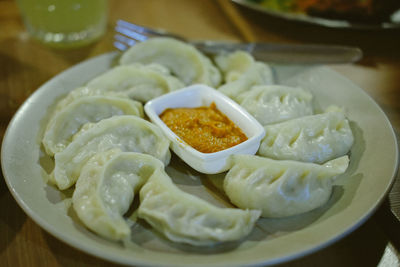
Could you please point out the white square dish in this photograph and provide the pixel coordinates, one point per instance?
(201, 95)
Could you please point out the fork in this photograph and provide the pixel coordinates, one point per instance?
(128, 34)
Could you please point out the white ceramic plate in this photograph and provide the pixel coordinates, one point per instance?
(357, 194)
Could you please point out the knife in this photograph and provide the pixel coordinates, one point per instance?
(130, 33)
(286, 53)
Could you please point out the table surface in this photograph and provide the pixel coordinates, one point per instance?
(25, 65)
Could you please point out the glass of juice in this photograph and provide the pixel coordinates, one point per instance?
(64, 23)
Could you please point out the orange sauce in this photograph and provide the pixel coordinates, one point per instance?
(206, 129)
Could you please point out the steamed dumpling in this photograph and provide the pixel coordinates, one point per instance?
(182, 217)
(106, 188)
(126, 132)
(241, 73)
(280, 188)
(258, 74)
(276, 103)
(81, 92)
(182, 59)
(68, 120)
(233, 65)
(139, 82)
(315, 138)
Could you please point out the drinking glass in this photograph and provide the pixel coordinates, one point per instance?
(64, 23)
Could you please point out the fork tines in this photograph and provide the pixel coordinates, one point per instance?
(129, 34)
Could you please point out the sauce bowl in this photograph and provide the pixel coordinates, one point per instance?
(199, 95)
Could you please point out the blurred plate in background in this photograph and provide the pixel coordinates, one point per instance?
(355, 19)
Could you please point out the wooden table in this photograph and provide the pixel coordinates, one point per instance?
(25, 65)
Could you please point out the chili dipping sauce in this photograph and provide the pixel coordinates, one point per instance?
(206, 129)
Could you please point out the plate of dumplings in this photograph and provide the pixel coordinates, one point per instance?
(83, 160)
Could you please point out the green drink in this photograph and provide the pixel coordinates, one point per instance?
(64, 23)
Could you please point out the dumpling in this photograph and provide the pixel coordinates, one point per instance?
(126, 132)
(258, 74)
(233, 65)
(139, 82)
(241, 73)
(280, 188)
(67, 121)
(182, 217)
(81, 92)
(276, 103)
(315, 138)
(106, 188)
(182, 59)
